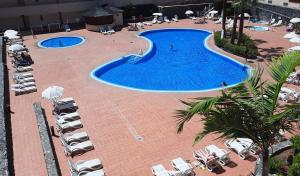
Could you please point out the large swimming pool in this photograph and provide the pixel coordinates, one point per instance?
(61, 42)
(177, 60)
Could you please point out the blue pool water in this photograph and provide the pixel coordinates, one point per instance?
(61, 42)
(186, 66)
(258, 28)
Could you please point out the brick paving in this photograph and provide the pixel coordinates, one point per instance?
(113, 116)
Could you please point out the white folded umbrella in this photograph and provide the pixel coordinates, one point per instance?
(16, 47)
(53, 92)
(12, 36)
(189, 12)
(245, 15)
(157, 14)
(295, 20)
(290, 35)
(213, 12)
(10, 32)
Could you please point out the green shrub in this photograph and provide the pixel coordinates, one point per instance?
(240, 50)
(275, 165)
(252, 53)
(219, 42)
(247, 49)
(296, 142)
(296, 158)
(294, 169)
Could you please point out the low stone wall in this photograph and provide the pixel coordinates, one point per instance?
(47, 144)
(4, 171)
(272, 150)
(268, 11)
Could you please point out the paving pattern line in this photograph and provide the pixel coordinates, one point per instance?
(130, 127)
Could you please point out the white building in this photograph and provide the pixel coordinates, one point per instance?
(295, 4)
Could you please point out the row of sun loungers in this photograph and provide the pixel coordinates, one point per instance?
(212, 157)
(105, 30)
(24, 82)
(158, 20)
(181, 168)
(75, 142)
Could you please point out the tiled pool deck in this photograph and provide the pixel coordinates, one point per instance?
(113, 116)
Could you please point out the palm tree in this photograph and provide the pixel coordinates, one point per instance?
(235, 19)
(224, 17)
(241, 27)
(249, 109)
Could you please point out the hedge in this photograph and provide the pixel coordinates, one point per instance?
(247, 49)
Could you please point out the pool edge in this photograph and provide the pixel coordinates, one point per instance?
(40, 42)
(150, 43)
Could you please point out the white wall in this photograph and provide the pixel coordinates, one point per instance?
(280, 3)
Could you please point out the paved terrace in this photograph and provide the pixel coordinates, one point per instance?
(113, 116)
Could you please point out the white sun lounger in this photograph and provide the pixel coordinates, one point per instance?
(289, 91)
(166, 19)
(23, 75)
(209, 161)
(279, 23)
(23, 69)
(182, 166)
(220, 153)
(147, 24)
(68, 126)
(25, 84)
(20, 76)
(64, 100)
(219, 21)
(24, 90)
(292, 78)
(159, 170)
(67, 116)
(90, 173)
(154, 20)
(283, 96)
(103, 31)
(65, 106)
(230, 25)
(67, 28)
(272, 21)
(110, 30)
(253, 148)
(242, 150)
(85, 165)
(78, 148)
(22, 80)
(73, 137)
(175, 18)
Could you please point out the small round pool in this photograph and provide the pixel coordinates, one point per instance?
(61, 42)
(258, 28)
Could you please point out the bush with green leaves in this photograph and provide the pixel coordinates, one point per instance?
(275, 165)
(294, 169)
(247, 49)
(296, 142)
